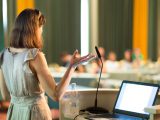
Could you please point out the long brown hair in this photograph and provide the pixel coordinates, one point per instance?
(24, 33)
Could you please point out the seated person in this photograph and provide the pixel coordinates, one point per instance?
(102, 52)
(81, 68)
(137, 58)
(111, 64)
(126, 62)
(65, 59)
(95, 65)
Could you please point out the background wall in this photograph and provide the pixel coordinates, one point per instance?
(1, 29)
(62, 30)
(115, 25)
(152, 36)
(116, 28)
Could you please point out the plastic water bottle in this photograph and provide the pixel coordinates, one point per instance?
(74, 100)
(71, 106)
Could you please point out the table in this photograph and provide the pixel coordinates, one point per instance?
(82, 79)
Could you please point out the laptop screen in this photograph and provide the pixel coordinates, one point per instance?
(133, 97)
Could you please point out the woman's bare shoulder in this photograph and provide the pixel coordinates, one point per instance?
(39, 63)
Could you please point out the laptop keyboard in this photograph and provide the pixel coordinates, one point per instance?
(111, 117)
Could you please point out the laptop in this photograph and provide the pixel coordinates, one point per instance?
(131, 100)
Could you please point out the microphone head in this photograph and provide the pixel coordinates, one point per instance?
(98, 53)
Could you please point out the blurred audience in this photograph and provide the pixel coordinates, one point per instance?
(111, 63)
(96, 64)
(81, 68)
(126, 62)
(131, 60)
(102, 53)
(137, 58)
(65, 59)
(158, 60)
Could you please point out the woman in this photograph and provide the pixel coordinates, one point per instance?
(25, 71)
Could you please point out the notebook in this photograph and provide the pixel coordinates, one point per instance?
(131, 100)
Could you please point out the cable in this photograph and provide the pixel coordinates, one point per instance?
(79, 115)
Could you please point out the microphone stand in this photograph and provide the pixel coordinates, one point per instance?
(98, 83)
(95, 109)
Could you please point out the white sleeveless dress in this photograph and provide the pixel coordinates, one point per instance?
(27, 96)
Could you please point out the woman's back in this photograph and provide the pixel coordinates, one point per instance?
(26, 92)
(19, 78)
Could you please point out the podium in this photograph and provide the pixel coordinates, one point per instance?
(106, 99)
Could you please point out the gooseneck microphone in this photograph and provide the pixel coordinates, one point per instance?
(99, 56)
(96, 109)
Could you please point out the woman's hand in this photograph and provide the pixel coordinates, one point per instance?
(76, 59)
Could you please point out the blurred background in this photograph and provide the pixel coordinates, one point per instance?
(126, 31)
(116, 25)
